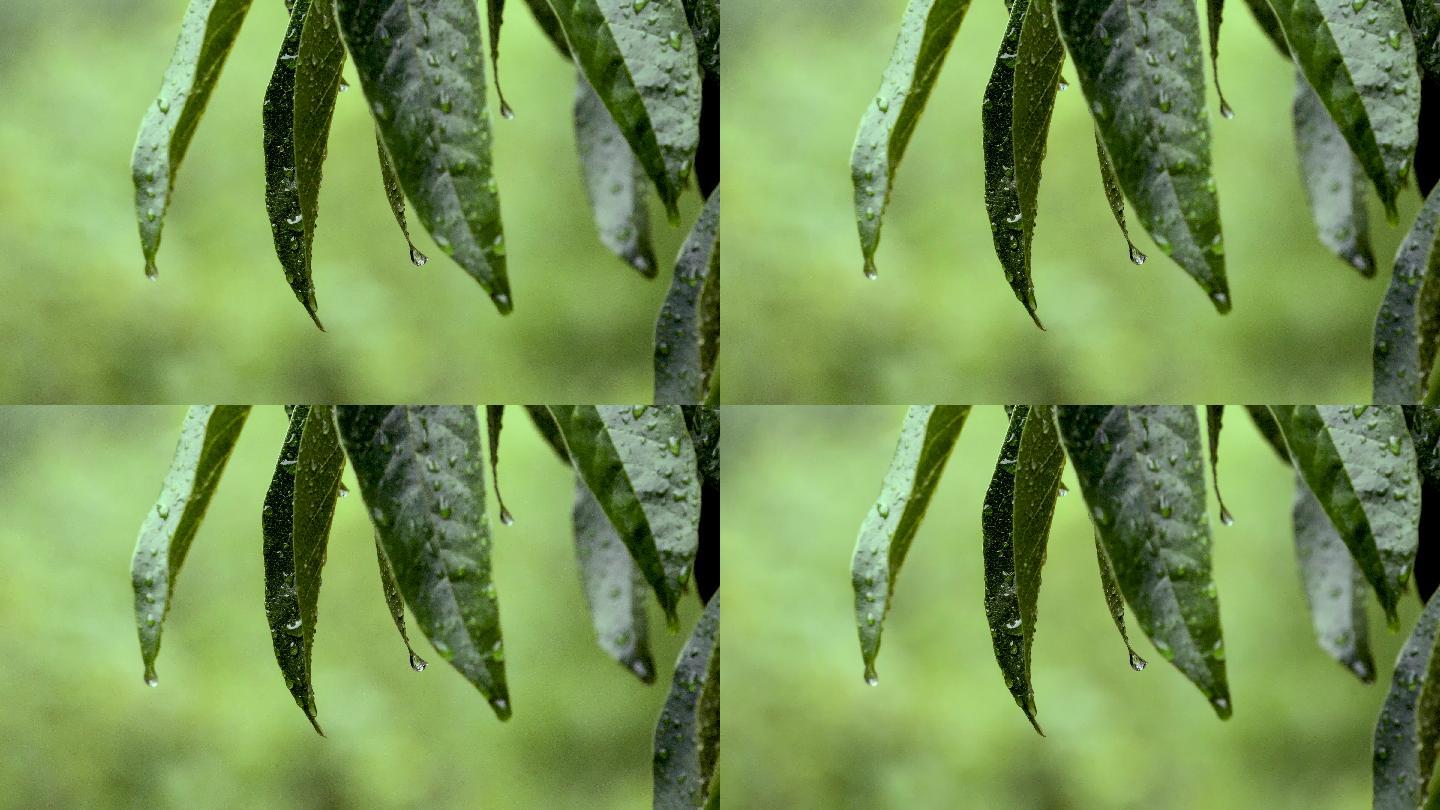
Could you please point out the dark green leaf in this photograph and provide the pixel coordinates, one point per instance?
(550, 24)
(687, 737)
(1360, 464)
(1265, 18)
(926, 31)
(687, 333)
(1015, 121)
(926, 439)
(1015, 523)
(1142, 74)
(494, 421)
(1424, 424)
(495, 18)
(421, 471)
(614, 588)
(1141, 472)
(704, 17)
(1362, 66)
(421, 66)
(641, 59)
(1334, 587)
(299, 103)
(1214, 12)
(1424, 19)
(614, 182)
(1116, 604)
(704, 424)
(549, 430)
(1409, 319)
(206, 439)
(1116, 199)
(206, 34)
(1399, 778)
(1214, 422)
(296, 525)
(396, 605)
(1334, 182)
(396, 196)
(1269, 429)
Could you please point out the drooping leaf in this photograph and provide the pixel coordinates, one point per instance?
(549, 24)
(704, 17)
(1360, 464)
(1116, 604)
(1424, 19)
(687, 737)
(1214, 12)
(549, 431)
(687, 333)
(396, 197)
(1399, 778)
(426, 55)
(640, 464)
(614, 588)
(1269, 429)
(641, 60)
(1015, 122)
(295, 523)
(206, 33)
(422, 474)
(494, 422)
(614, 182)
(206, 439)
(926, 31)
(1015, 523)
(495, 18)
(1143, 75)
(1334, 182)
(926, 439)
(1409, 318)
(1334, 586)
(704, 424)
(1116, 199)
(396, 605)
(1141, 472)
(1362, 66)
(1214, 423)
(299, 103)
(1265, 18)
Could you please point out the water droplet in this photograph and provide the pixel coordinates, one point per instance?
(1137, 663)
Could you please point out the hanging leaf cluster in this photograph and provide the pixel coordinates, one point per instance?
(1367, 495)
(645, 522)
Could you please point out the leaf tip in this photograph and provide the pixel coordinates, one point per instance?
(502, 301)
(1221, 704)
(151, 271)
(501, 705)
(871, 679)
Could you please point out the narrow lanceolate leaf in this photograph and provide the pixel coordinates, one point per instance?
(640, 58)
(548, 429)
(423, 72)
(1400, 778)
(1360, 463)
(614, 588)
(1361, 62)
(1214, 12)
(1214, 423)
(1015, 121)
(926, 31)
(687, 333)
(296, 525)
(704, 424)
(704, 17)
(1334, 587)
(1265, 18)
(1015, 523)
(1116, 604)
(1143, 75)
(550, 24)
(206, 439)
(299, 103)
(1116, 199)
(494, 423)
(1269, 429)
(1424, 423)
(614, 182)
(396, 605)
(640, 464)
(687, 737)
(396, 197)
(1424, 19)
(206, 34)
(926, 440)
(421, 471)
(1141, 472)
(1334, 182)
(1409, 318)
(495, 18)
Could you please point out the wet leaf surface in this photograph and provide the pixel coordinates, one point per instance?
(1115, 603)
(1409, 318)
(614, 589)
(1214, 423)
(704, 424)
(1116, 200)
(1334, 182)
(687, 333)
(1334, 588)
(614, 182)
(396, 605)
(494, 424)
(687, 737)
(396, 197)
(1399, 778)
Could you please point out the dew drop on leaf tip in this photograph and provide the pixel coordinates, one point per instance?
(871, 679)
(1137, 663)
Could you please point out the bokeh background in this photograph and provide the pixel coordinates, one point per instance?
(941, 730)
(221, 324)
(220, 730)
(940, 324)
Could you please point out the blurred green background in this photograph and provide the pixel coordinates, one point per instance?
(83, 730)
(940, 729)
(221, 325)
(940, 324)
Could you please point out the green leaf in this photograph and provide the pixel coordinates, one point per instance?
(1266, 19)
(1015, 121)
(703, 422)
(614, 588)
(1334, 181)
(421, 67)
(687, 737)
(1362, 66)
(495, 19)
(396, 197)
(549, 24)
(926, 31)
(1334, 587)
(206, 34)
(1141, 472)
(1399, 778)
(1015, 523)
(1214, 12)
(1409, 318)
(926, 438)
(396, 605)
(687, 333)
(296, 526)
(1269, 429)
(206, 439)
(641, 59)
(494, 422)
(614, 182)
(1424, 424)
(1142, 74)
(299, 103)
(549, 430)
(1360, 464)
(704, 17)
(1115, 603)
(421, 471)
(640, 464)
(1116, 199)
(1214, 423)
(1424, 19)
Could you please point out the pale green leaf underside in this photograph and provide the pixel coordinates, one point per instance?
(1399, 780)
(1334, 182)
(687, 736)
(687, 333)
(614, 589)
(1334, 587)
(614, 182)
(1409, 317)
